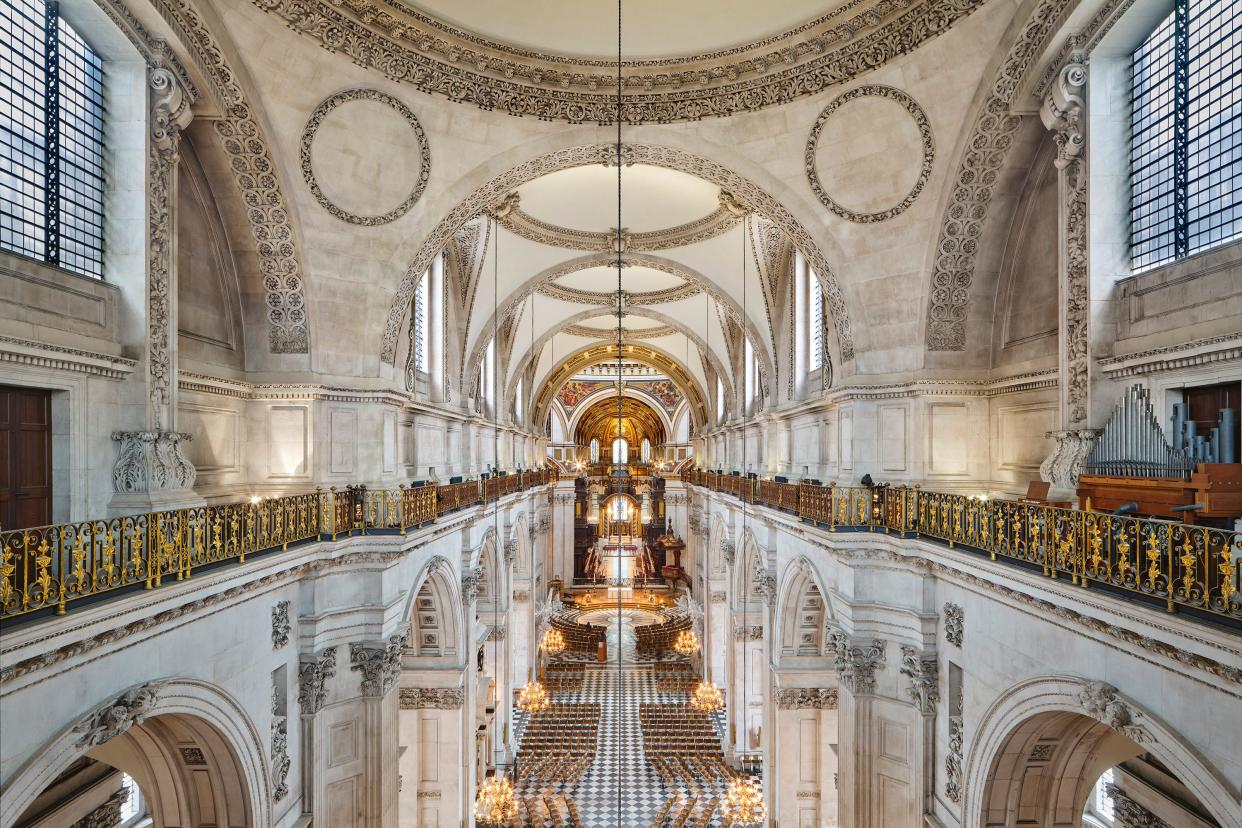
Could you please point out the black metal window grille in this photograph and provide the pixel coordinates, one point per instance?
(51, 139)
(1186, 138)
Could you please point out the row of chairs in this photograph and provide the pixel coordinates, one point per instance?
(677, 730)
(550, 809)
(559, 744)
(686, 812)
(652, 638)
(580, 637)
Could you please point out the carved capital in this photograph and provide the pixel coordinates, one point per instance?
(1070, 453)
(858, 662)
(313, 675)
(151, 461)
(435, 698)
(511, 545)
(111, 720)
(379, 664)
(923, 670)
(471, 580)
(729, 549)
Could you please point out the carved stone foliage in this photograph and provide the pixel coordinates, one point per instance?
(925, 134)
(747, 632)
(484, 197)
(953, 761)
(497, 633)
(151, 461)
(313, 675)
(107, 815)
(423, 161)
(280, 752)
(719, 597)
(857, 662)
(408, 46)
(954, 624)
(923, 670)
(379, 664)
(802, 698)
(729, 549)
(1102, 702)
(471, 581)
(1130, 814)
(987, 147)
(254, 171)
(1069, 455)
(521, 596)
(281, 625)
(435, 698)
(111, 720)
(511, 217)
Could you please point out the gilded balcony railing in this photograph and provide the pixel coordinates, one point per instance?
(1183, 566)
(52, 567)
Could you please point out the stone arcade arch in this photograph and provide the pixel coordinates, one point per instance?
(751, 636)
(1088, 726)
(435, 619)
(802, 613)
(142, 732)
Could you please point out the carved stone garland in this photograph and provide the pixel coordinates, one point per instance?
(925, 134)
(987, 147)
(308, 172)
(954, 624)
(432, 698)
(281, 625)
(807, 698)
(490, 193)
(281, 763)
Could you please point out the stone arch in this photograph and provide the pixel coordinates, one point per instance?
(492, 574)
(803, 612)
(1088, 727)
(142, 732)
(436, 626)
(718, 541)
(749, 570)
(671, 157)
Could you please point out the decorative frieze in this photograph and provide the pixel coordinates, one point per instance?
(857, 663)
(954, 624)
(379, 664)
(428, 794)
(807, 698)
(719, 597)
(747, 632)
(923, 670)
(433, 698)
(281, 625)
(313, 675)
(111, 720)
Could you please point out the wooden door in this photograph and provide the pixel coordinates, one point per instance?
(25, 457)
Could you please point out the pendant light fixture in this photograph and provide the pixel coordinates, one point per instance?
(686, 643)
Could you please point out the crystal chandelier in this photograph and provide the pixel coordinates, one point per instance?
(495, 804)
(707, 697)
(742, 805)
(686, 643)
(532, 698)
(553, 642)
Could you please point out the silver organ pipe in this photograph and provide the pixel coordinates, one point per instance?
(1133, 444)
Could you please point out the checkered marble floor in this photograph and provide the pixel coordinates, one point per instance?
(621, 788)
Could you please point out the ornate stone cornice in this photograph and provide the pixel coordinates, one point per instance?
(925, 135)
(1224, 348)
(61, 358)
(434, 698)
(626, 333)
(406, 45)
(308, 171)
(379, 664)
(987, 147)
(114, 718)
(857, 663)
(313, 675)
(923, 670)
(520, 223)
(803, 698)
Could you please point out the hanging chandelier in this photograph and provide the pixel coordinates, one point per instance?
(707, 697)
(532, 698)
(495, 804)
(553, 642)
(686, 643)
(742, 805)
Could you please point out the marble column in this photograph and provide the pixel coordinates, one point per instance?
(1063, 113)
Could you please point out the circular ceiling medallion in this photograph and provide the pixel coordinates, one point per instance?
(356, 151)
(872, 151)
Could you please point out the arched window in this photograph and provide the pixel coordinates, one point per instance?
(646, 451)
(51, 140)
(594, 451)
(1185, 179)
(620, 451)
(517, 401)
(720, 400)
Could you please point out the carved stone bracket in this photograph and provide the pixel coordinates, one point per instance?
(954, 624)
(857, 663)
(379, 664)
(923, 671)
(434, 698)
(1062, 467)
(281, 625)
(313, 675)
(1102, 702)
(151, 461)
(111, 720)
(807, 698)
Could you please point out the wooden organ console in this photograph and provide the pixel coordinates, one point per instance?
(1195, 480)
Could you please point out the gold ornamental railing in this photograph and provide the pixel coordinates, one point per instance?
(1180, 565)
(53, 567)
